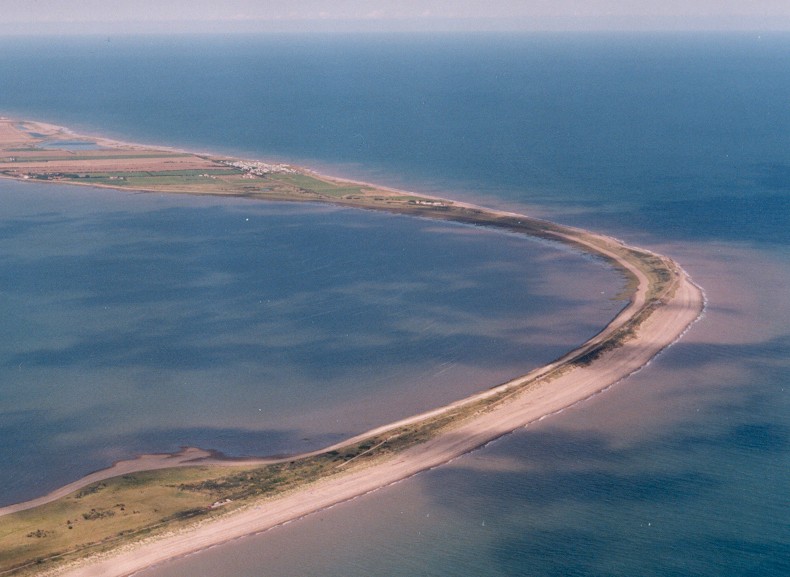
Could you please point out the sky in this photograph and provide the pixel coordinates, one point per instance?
(135, 16)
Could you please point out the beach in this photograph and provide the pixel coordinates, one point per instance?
(661, 330)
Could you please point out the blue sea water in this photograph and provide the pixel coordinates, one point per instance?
(677, 142)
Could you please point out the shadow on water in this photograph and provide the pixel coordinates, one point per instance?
(45, 452)
(549, 500)
(688, 354)
(545, 489)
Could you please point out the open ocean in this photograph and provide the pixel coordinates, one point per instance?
(680, 143)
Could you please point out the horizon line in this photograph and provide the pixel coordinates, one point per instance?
(628, 25)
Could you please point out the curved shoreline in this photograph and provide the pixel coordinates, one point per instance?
(659, 312)
(193, 456)
(660, 331)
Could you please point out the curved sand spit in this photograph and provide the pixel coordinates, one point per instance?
(679, 308)
(660, 330)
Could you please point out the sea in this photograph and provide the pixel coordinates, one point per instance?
(138, 323)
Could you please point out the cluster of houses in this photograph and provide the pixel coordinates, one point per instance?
(254, 168)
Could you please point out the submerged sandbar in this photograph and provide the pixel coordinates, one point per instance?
(144, 516)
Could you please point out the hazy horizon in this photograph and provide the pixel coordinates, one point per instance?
(21, 17)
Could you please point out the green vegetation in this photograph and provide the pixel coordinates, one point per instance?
(320, 187)
(155, 179)
(98, 517)
(102, 515)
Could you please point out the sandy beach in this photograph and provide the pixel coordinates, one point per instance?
(662, 328)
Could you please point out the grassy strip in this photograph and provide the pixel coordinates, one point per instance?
(324, 188)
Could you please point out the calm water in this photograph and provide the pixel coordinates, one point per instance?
(136, 323)
(681, 143)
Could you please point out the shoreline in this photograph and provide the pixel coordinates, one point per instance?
(267, 516)
(660, 311)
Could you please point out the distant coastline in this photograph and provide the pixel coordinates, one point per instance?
(663, 303)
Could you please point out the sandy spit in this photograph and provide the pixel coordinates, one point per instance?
(547, 396)
(662, 329)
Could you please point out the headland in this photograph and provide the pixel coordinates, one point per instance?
(140, 513)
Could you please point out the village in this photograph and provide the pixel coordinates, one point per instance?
(254, 168)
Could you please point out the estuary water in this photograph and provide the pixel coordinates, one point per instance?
(679, 143)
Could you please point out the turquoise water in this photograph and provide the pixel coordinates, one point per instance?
(676, 142)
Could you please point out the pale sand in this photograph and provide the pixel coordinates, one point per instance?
(663, 328)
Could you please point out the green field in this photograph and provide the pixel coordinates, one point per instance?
(318, 186)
